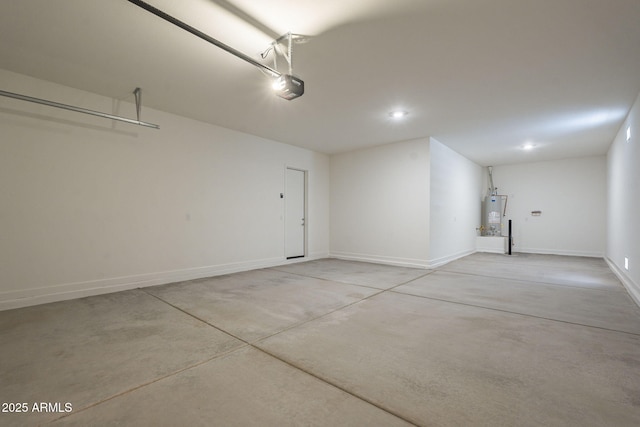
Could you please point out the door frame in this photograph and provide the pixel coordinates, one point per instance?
(306, 213)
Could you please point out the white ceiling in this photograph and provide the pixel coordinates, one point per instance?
(482, 76)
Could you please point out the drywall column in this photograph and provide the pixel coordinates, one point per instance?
(623, 203)
(380, 204)
(456, 193)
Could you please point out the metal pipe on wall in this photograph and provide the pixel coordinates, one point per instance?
(76, 109)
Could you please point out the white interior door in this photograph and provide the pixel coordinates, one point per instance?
(294, 200)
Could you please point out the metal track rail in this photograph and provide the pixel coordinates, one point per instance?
(204, 36)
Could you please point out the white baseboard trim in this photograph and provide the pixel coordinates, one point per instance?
(437, 262)
(591, 254)
(632, 288)
(43, 295)
(378, 259)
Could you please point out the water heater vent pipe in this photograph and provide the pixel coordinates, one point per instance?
(492, 189)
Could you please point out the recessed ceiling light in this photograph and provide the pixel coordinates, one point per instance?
(398, 114)
(528, 146)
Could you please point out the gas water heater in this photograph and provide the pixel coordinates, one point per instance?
(492, 220)
(492, 212)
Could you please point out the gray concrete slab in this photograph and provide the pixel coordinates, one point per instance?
(433, 348)
(86, 350)
(246, 388)
(377, 276)
(440, 363)
(542, 260)
(259, 303)
(594, 307)
(553, 269)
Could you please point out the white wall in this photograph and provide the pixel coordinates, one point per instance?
(571, 194)
(91, 206)
(380, 204)
(456, 196)
(623, 203)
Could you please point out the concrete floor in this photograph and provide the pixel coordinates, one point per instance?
(487, 340)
